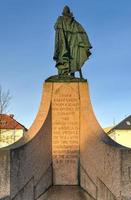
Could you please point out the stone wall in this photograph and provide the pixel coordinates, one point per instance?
(4, 173)
(31, 165)
(99, 160)
(126, 174)
(104, 192)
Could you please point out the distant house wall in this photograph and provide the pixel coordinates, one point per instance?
(122, 137)
(9, 136)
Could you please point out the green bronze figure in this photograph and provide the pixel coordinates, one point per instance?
(72, 46)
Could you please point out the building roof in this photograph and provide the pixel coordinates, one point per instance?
(123, 125)
(8, 122)
(107, 129)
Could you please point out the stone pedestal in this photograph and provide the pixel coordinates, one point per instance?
(65, 154)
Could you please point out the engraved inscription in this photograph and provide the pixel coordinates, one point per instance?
(65, 137)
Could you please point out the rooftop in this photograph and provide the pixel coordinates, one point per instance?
(125, 124)
(8, 122)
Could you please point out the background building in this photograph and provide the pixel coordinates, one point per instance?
(121, 133)
(10, 130)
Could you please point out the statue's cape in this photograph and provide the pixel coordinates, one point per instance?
(71, 43)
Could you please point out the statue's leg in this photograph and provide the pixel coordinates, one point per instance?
(59, 72)
(65, 72)
(72, 74)
(63, 69)
(80, 72)
(66, 68)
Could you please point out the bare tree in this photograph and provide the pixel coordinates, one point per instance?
(5, 98)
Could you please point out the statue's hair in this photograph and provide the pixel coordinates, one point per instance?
(67, 12)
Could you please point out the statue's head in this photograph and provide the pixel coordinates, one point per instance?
(67, 12)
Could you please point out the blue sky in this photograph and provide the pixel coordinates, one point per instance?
(26, 51)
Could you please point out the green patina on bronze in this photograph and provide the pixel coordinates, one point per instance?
(72, 46)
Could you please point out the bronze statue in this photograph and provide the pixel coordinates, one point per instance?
(72, 46)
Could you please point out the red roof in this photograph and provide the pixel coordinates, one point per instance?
(8, 122)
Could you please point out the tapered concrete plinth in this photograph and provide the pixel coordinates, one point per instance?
(63, 156)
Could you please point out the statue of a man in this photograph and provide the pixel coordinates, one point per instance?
(72, 46)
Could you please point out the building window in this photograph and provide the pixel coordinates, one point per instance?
(3, 122)
(128, 123)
